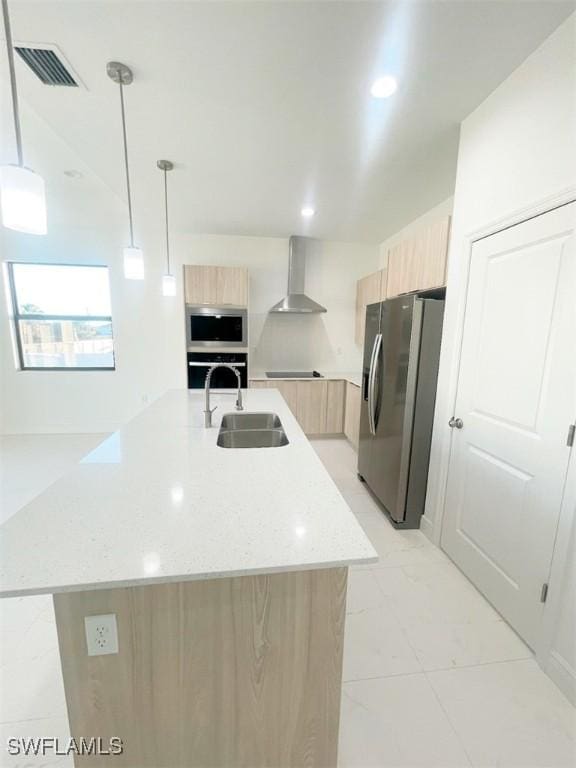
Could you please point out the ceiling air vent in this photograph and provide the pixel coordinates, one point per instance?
(46, 65)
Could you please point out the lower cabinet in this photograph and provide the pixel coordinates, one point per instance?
(312, 406)
(335, 407)
(318, 405)
(352, 413)
(288, 390)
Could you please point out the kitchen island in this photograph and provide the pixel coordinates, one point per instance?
(226, 571)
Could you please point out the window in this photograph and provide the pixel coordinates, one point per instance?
(62, 316)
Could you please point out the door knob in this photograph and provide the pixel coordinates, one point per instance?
(455, 423)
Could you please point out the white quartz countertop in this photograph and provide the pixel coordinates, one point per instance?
(353, 378)
(159, 501)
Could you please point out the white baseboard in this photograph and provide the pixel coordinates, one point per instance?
(427, 528)
(562, 674)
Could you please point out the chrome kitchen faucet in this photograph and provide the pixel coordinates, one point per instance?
(207, 411)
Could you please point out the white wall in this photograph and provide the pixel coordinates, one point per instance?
(88, 224)
(433, 214)
(79, 401)
(517, 157)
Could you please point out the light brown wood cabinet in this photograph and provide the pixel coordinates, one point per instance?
(199, 284)
(216, 286)
(433, 250)
(352, 413)
(243, 671)
(403, 270)
(288, 390)
(317, 405)
(419, 263)
(335, 407)
(311, 408)
(369, 290)
(416, 263)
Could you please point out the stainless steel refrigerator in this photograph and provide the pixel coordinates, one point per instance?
(400, 370)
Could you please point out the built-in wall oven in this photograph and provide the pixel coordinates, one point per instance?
(199, 364)
(216, 326)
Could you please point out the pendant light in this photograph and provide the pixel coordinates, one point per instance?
(22, 192)
(168, 279)
(133, 256)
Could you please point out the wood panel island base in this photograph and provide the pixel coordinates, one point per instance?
(239, 672)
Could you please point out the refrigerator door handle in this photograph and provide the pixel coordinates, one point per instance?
(378, 376)
(371, 384)
(370, 376)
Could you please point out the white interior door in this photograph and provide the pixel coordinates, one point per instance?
(516, 398)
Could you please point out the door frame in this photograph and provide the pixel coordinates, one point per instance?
(441, 453)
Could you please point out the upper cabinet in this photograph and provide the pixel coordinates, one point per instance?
(433, 250)
(199, 285)
(216, 286)
(416, 263)
(369, 290)
(419, 263)
(232, 286)
(403, 268)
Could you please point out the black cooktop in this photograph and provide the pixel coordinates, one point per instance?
(294, 375)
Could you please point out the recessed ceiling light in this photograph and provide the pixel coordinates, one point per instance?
(307, 212)
(384, 87)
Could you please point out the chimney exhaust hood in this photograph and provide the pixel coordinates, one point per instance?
(296, 300)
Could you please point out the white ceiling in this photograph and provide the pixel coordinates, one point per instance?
(265, 106)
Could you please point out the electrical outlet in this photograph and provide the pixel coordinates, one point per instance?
(101, 634)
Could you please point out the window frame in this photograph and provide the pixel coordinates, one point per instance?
(17, 317)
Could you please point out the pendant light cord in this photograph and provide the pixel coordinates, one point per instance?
(10, 52)
(125, 162)
(166, 217)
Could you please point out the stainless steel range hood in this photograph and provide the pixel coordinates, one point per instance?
(296, 300)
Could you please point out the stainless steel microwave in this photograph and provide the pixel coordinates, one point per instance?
(216, 327)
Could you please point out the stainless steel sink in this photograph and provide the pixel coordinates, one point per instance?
(250, 421)
(252, 438)
(251, 430)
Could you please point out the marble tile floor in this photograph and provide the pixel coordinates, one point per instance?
(432, 675)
